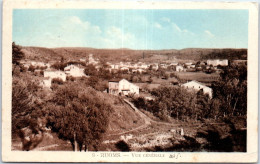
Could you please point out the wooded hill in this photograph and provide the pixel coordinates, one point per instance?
(116, 55)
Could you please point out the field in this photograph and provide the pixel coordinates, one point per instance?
(198, 76)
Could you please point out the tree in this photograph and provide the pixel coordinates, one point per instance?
(17, 54)
(59, 66)
(27, 112)
(231, 90)
(90, 70)
(80, 115)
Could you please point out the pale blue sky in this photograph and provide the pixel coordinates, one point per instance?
(135, 29)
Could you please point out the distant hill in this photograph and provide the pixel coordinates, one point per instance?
(115, 55)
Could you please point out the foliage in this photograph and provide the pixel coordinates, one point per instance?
(231, 90)
(27, 111)
(176, 102)
(227, 54)
(123, 146)
(76, 63)
(58, 81)
(17, 54)
(31, 68)
(79, 114)
(90, 70)
(59, 66)
(70, 78)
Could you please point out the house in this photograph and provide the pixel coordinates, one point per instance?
(40, 64)
(114, 66)
(217, 62)
(179, 68)
(82, 60)
(188, 63)
(137, 70)
(198, 86)
(124, 68)
(174, 64)
(122, 87)
(55, 74)
(74, 71)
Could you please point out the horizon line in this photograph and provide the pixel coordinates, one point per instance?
(131, 48)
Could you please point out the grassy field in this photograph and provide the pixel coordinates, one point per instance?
(198, 76)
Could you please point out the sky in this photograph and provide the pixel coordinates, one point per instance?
(131, 28)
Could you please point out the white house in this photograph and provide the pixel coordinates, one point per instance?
(40, 64)
(55, 74)
(122, 87)
(174, 64)
(217, 62)
(198, 86)
(114, 66)
(124, 68)
(82, 60)
(179, 68)
(189, 63)
(74, 71)
(137, 70)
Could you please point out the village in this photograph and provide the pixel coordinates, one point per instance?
(145, 105)
(125, 87)
(82, 82)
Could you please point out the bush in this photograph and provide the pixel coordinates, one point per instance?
(57, 81)
(59, 66)
(31, 68)
(70, 78)
(123, 146)
(173, 75)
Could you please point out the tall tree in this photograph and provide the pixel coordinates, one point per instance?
(80, 115)
(231, 90)
(17, 54)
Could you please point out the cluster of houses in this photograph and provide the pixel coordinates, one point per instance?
(124, 87)
(70, 70)
(129, 67)
(49, 73)
(179, 67)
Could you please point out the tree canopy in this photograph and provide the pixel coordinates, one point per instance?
(79, 115)
(17, 54)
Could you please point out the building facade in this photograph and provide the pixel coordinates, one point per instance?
(74, 71)
(217, 62)
(122, 87)
(198, 86)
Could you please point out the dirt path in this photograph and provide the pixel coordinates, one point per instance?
(147, 120)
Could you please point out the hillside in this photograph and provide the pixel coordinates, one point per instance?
(116, 55)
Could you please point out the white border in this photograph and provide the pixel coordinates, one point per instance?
(45, 156)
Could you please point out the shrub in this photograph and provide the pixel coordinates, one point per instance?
(122, 146)
(31, 68)
(59, 66)
(57, 81)
(70, 78)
